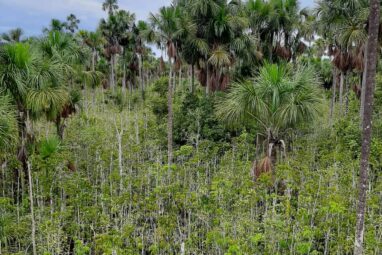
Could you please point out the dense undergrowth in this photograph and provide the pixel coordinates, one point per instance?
(106, 188)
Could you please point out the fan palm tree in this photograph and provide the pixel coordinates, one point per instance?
(116, 30)
(62, 53)
(276, 100)
(94, 41)
(13, 35)
(24, 73)
(72, 23)
(110, 6)
(165, 25)
(342, 24)
(16, 61)
(213, 35)
(55, 25)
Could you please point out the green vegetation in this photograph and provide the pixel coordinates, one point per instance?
(240, 139)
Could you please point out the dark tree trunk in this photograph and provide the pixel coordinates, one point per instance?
(341, 93)
(60, 127)
(22, 154)
(124, 79)
(367, 123)
(192, 78)
(334, 87)
(170, 118)
(363, 87)
(347, 90)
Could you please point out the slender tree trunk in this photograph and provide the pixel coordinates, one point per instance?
(372, 53)
(112, 73)
(120, 162)
(180, 77)
(140, 76)
(124, 79)
(32, 210)
(192, 78)
(60, 127)
(22, 153)
(170, 118)
(208, 78)
(341, 91)
(94, 55)
(334, 87)
(346, 94)
(363, 88)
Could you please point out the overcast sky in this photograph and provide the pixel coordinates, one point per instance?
(33, 15)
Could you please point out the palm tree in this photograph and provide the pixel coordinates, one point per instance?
(13, 35)
(165, 25)
(213, 37)
(94, 41)
(72, 23)
(276, 100)
(16, 63)
(110, 6)
(116, 30)
(342, 24)
(62, 54)
(372, 57)
(55, 25)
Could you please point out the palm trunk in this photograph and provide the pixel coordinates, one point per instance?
(372, 52)
(341, 91)
(346, 94)
(363, 88)
(334, 87)
(170, 119)
(32, 210)
(94, 55)
(192, 78)
(140, 76)
(60, 127)
(124, 79)
(112, 74)
(22, 154)
(208, 79)
(180, 78)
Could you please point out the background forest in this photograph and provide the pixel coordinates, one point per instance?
(244, 137)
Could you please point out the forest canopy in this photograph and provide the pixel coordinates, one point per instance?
(256, 131)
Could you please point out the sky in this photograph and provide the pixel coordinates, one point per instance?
(33, 15)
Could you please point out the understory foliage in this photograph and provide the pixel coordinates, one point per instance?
(207, 202)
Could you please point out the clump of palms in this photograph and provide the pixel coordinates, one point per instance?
(13, 35)
(277, 100)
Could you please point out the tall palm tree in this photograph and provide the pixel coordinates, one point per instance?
(61, 52)
(55, 25)
(72, 23)
(116, 30)
(13, 35)
(277, 100)
(213, 37)
(342, 24)
(372, 57)
(165, 24)
(16, 62)
(110, 6)
(94, 41)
